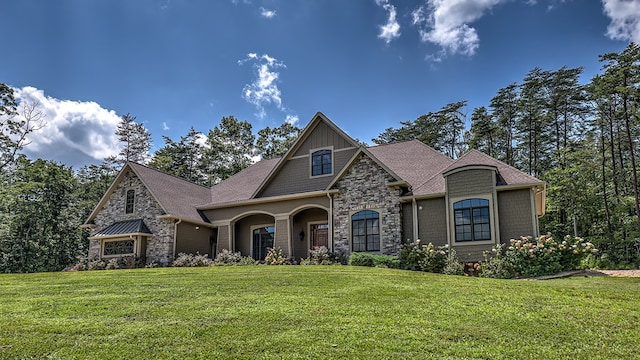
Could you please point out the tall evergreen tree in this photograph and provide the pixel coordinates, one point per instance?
(135, 141)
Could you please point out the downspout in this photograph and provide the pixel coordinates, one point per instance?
(175, 236)
(330, 221)
(416, 228)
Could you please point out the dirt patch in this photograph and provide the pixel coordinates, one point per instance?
(620, 273)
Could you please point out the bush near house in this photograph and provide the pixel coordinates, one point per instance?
(372, 260)
(429, 258)
(531, 257)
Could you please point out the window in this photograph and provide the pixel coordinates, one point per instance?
(262, 241)
(365, 231)
(131, 200)
(120, 247)
(321, 162)
(471, 218)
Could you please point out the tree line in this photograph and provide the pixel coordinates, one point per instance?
(581, 139)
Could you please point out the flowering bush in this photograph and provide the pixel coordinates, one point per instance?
(226, 257)
(276, 257)
(529, 257)
(191, 260)
(429, 258)
(320, 255)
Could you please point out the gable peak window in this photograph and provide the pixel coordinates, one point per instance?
(130, 202)
(472, 220)
(365, 231)
(321, 162)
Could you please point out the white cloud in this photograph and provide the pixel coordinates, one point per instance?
(165, 127)
(625, 19)
(292, 119)
(446, 23)
(264, 89)
(390, 30)
(74, 132)
(267, 13)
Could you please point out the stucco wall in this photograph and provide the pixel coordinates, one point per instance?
(362, 187)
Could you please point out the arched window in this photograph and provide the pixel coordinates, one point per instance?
(472, 220)
(365, 231)
(131, 201)
(321, 162)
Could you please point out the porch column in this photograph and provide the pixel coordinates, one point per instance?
(283, 234)
(224, 240)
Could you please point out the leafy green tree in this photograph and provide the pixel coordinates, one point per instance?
(135, 141)
(228, 149)
(274, 142)
(41, 232)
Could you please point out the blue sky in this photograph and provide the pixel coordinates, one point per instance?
(366, 64)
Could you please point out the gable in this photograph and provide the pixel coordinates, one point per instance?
(293, 172)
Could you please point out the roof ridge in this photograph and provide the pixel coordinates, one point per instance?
(167, 174)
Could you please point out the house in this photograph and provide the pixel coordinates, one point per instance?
(327, 190)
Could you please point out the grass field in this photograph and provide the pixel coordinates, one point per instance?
(302, 312)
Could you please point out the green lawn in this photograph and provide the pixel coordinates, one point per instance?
(302, 312)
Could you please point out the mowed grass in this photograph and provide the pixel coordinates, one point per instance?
(303, 312)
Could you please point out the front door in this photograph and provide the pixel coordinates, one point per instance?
(319, 236)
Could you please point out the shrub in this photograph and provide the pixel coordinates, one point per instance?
(451, 264)
(320, 255)
(275, 257)
(226, 257)
(191, 260)
(372, 260)
(125, 262)
(247, 260)
(429, 258)
(361, 259)
(528, 257)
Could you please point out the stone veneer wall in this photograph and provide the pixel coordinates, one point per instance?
(364, 187)
(159, 247)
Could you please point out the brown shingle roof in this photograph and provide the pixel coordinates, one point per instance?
(177, 196)
(422, 166)
(412, 160)
(507, 175)
(243, 184)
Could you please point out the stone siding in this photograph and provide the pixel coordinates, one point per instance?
(159, 247)
(364, 187)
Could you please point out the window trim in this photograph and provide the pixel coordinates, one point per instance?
(311, 152)
(353, 212)
(492, 220)
(126, 202)
(254, 227)
(135, 240)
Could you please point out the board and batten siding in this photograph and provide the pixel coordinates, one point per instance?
(295, 175)
(322, 136)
